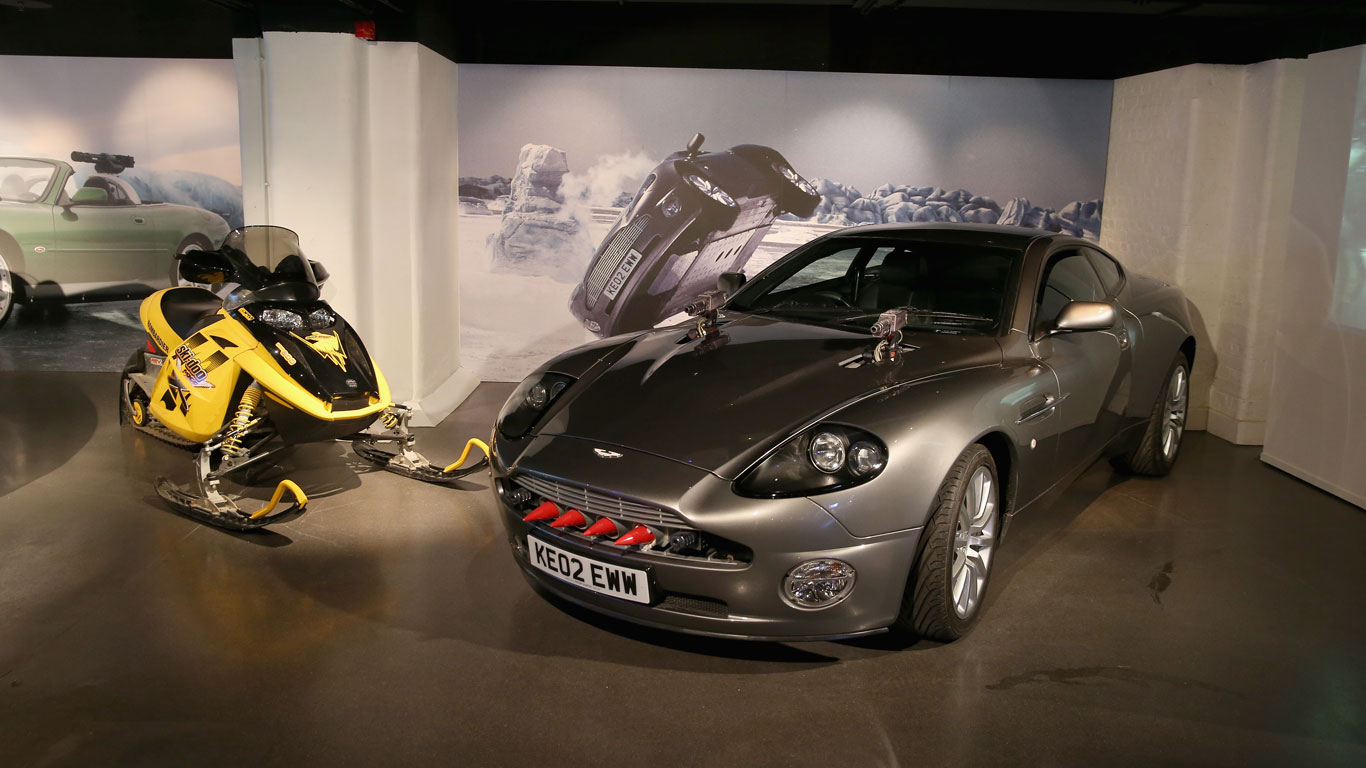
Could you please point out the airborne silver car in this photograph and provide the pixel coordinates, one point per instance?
(777, 471)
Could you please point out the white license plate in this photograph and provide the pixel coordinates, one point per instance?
(618, 279)
(625, 583)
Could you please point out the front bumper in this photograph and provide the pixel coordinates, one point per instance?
(721, 598)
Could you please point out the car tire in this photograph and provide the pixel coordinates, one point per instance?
(191, 243)
(948, 581)
(1156, 451)
(10, 285)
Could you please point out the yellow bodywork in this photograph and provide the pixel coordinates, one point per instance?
(193, 395)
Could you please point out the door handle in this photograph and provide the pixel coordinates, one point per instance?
(139, 220)
(1039, 408)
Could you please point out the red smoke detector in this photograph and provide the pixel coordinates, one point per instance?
(365, 30)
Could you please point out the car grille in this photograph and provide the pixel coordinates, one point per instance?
(611, 258)
(701, 606)
(600, 504)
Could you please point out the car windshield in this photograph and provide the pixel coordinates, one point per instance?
(951, 287)
(25, 181)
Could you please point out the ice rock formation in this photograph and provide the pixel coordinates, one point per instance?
(538, 235)
(1081, 219)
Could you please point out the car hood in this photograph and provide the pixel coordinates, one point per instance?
(719, 404)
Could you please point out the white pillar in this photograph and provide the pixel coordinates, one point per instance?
(352, 144)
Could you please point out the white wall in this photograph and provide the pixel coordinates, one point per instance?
(1317, 425)
(1200, 174)
(353, 145)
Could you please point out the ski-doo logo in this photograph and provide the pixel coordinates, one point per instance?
(191, 367)
(326, 344)
(618, 280)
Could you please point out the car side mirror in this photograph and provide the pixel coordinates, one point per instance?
(730, 282)
(1085, 316)
(204, 267)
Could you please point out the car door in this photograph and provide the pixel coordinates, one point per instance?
(108, 245)
(1092, 367)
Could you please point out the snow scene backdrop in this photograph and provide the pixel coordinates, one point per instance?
(550, 155)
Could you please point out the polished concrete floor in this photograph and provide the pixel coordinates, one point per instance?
(1213, 617)
(98, 336)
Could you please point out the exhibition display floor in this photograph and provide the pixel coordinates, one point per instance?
(1212, 616)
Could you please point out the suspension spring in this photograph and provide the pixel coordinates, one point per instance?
(232, 444)
(390, 420)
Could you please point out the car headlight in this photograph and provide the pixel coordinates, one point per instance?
(824, 458)
(671, 205)
(530, 401)
(786, 171)
(283, 319)
(709, 188)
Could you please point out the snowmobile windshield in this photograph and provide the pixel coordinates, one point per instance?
(274, 251)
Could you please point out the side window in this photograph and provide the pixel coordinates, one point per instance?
(1069, 277)
(68, 189)
(1110, 274)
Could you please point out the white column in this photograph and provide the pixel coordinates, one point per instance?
(352, 145)
(1197, 192)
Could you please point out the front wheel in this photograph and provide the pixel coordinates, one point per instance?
(1156, 450)
(7, 284)
(949, 580)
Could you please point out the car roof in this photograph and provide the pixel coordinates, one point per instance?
(987, 234)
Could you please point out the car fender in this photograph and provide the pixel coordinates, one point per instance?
(926, 424)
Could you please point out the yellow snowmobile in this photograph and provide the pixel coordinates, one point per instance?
(257, 365)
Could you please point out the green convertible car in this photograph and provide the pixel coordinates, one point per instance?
(99, 241)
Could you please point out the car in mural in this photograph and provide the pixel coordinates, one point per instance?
(697, 215)
(95, 241)
(841, 446)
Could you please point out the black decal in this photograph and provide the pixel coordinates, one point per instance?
(596, 570)
(222, 342)
(630, 583)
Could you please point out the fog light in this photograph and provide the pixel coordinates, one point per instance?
(818, 583)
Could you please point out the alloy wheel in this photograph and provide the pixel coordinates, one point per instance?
(1174, 422)
(974, 540)
(6, 287)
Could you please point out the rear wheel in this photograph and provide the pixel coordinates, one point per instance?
(949, 580)
(1156, 450)
(191, 243)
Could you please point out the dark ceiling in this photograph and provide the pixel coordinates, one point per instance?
(1027, 38)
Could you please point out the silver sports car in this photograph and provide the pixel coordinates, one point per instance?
(841, 447)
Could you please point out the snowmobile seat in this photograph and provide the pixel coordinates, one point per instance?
(187, 308)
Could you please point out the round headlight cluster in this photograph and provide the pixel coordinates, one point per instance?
(818, 583)
(830, 454)
(865, 458)
(827, 452)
